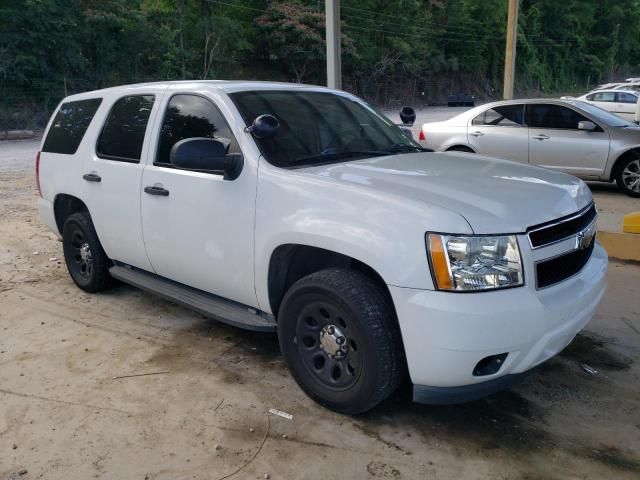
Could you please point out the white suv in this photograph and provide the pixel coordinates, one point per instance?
(302, 210)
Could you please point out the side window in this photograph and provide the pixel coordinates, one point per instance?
(189, 116)
(504, 116)
(591, 97)
(604, 97)
(624, 97)
(69, 126)
(553, 116)
(123, 133)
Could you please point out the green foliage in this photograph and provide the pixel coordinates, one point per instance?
(394, 51)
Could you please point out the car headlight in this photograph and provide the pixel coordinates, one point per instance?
(463, 263)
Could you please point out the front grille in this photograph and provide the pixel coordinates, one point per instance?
(555, 270)
(551, 232)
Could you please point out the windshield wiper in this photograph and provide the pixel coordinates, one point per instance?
(338, 154)
(406, 148)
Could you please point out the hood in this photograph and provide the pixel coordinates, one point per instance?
(494, 196)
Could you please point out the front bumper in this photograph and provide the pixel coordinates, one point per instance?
(446, 334)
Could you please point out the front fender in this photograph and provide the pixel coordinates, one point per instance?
(383, 231)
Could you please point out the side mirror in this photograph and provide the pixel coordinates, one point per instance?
(264, 126)
(407, 115)
(206, 155)
(586, 125)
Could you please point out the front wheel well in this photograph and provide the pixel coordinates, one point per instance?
(291, 262)
(65, 205)
(633, 153)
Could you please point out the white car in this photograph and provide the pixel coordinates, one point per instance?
(634, 86)
(615, 100)
(301, 210)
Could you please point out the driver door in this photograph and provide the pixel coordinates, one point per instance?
(556, 143)
(199, 228)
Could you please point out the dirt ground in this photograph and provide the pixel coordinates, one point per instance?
(63, 415)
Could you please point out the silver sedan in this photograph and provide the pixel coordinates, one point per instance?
(565, 135)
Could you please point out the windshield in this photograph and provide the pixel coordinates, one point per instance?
(321, 127)
(608, 118)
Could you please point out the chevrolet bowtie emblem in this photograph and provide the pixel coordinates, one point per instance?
(585, 237)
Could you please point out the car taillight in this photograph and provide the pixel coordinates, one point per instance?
(421, 137)
(38, 173)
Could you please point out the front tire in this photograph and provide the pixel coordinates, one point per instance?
(628, 176)
(86, 260)
(340, 339)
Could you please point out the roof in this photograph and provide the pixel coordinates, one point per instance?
(530, 101)
(228, 86)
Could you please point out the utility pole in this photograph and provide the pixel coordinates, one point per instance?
(334, 60)
(614, 50)
(510, 53)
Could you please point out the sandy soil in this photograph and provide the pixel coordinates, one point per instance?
(63, 415)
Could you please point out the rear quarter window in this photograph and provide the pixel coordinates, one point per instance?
(69, 126)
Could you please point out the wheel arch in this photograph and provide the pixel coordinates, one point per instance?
(65, 205)
(459, 147)
(292, 261)
(630, 153)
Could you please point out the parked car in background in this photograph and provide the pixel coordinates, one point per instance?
(301, 210)
(604, 86)
(461, 100)
(569, 136)
(635, 86)
(620, 102)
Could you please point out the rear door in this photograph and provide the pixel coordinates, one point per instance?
(604, 100)
(556, 143)
(500, 132)
(112, 175)
(626, 105)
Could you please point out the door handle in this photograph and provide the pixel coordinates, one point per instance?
(92, 177)
(155, 190)
(476, 134)
(542, 136)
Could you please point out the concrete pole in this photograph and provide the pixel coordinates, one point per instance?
(510, 53)
(334, 60)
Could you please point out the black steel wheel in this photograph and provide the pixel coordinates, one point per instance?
(86, 260)
(329, 344)
(340, 339)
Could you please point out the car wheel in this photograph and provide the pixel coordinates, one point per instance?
(340, 339)
(628, 177)
(86, 261)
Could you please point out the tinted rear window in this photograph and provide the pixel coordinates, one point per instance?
(123, 133)
(69, 126)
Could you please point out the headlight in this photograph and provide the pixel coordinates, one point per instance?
(470, 263)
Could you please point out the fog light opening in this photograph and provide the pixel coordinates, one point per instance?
(489, 365)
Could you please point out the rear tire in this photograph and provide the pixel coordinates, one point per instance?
(628, 176)
(460, 149)
(86, 260)
(340, 339)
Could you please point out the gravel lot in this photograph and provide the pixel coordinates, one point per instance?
(63, 415)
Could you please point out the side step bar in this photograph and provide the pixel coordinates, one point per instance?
(209, 305)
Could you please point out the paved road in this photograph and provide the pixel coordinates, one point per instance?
(18, 155)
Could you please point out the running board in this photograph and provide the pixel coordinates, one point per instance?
(209, 305)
